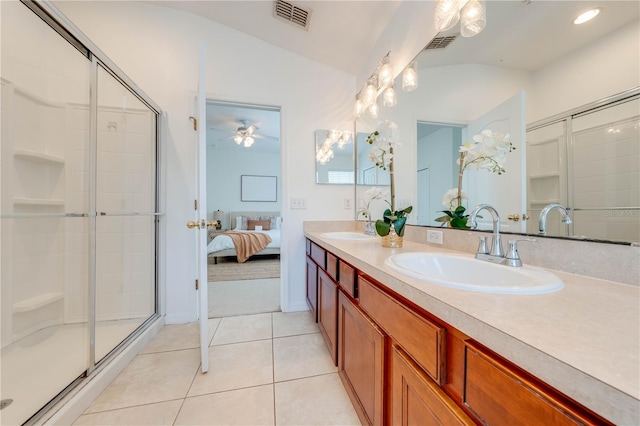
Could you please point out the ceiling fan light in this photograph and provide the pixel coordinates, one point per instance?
(237, 139)
(587, 16)
(447, 14)
(410, 77)
(248, 141)
(473, 18)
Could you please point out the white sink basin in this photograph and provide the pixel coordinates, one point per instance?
(467, 273)
(347, 235)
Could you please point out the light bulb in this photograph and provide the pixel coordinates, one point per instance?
(587, 16)
(370, 92)
(374, 110)
(385, 75)
(447, 14)
(389, 97)
(248, 141)
(359, 107)
(237, 139)
(473, 18)
(410, 78)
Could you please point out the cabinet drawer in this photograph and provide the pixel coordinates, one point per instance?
(418, 336)
(500, 393)
(318, 254)
(332, 266)
(347, 279)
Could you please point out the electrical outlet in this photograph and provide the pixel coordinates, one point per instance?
(347, 203)
(298, 203)
(435, 237)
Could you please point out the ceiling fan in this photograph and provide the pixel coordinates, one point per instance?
(245, 135)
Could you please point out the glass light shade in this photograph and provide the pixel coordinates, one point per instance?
(248, 141)
(237, 139)
(385, 75)
(374, 110)
(410, 78)
(370, 92)
(359, 107)
(389, 98)
(473, 18)
(447, 14)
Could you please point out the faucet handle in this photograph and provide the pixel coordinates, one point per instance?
(513, 258)
(482, 245)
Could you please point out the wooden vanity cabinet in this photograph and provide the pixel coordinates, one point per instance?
(361, 361)
(500, 393)
(312, 287)
(328, 312)
(418, 400)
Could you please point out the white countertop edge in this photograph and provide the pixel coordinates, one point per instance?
(603, 398)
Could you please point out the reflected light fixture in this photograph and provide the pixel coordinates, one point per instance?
(385, 75)
(473, 18)
(389, 98)
(370, 92)
(410, 77)
(587, 16)
(374, 109)
(359, 107)
(324, 152)
(472, 15)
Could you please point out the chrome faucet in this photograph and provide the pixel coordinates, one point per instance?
(495, 255)
(496, 243)
(542, 221)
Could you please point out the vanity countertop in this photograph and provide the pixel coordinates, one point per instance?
(584, 339)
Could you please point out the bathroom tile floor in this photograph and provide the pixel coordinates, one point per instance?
(264, 369)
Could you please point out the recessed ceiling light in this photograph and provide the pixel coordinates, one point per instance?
(587, 16)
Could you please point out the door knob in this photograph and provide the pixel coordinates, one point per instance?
(212, 224)
(191, 224)
(514, 217)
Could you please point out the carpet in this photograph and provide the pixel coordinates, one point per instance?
(257, 267)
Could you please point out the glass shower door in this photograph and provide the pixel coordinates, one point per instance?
(44, 224)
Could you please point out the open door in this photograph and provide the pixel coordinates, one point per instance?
(200, 224)
(506, 192)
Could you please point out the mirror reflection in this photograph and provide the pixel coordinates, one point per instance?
(334, 157)
(555, 71)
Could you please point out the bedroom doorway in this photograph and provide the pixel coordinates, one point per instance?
(244, 196)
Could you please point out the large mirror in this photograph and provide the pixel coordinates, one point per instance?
(530, 73)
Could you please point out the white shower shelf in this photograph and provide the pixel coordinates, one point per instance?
(39, 157)
(36, 302)
(544, 175)
(25, 201)
(545, 202)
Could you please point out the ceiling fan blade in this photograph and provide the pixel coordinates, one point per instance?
(251, 129)
(271, 138)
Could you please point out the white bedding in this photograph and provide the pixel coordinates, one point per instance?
(224, 242)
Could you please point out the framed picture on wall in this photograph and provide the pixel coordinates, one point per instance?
(258, 188)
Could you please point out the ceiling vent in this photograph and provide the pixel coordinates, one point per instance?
(291, 13)
(440, 42)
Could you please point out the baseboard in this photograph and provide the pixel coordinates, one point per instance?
(179, 318)
(296, 307)
(68, 410)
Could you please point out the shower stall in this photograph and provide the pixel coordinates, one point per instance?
(78, 210)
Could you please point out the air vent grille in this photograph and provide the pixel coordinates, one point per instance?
(291, 13)
(440, 42)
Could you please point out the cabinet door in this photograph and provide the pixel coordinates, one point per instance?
(328, 312)
(361, 361)
(416, 399)
(312, 287)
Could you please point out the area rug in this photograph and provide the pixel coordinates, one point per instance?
(257, 267)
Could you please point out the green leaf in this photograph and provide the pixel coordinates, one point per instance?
(383, 227)
(399, 225)
(408, 210)
(459, 210)
(443, 219)
(458, 222)
(447, 212)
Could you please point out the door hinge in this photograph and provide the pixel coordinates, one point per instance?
(195, 122)
(197, 285)
(195, 204)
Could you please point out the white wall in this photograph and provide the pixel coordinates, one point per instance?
(224, 171)
(157, 48)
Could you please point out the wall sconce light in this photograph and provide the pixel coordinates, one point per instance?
(410, 77)
(380, 82)
(472, 15)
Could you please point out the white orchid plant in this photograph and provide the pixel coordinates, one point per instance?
(383, 141)
(488, 151)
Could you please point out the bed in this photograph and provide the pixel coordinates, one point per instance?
(222, 245)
